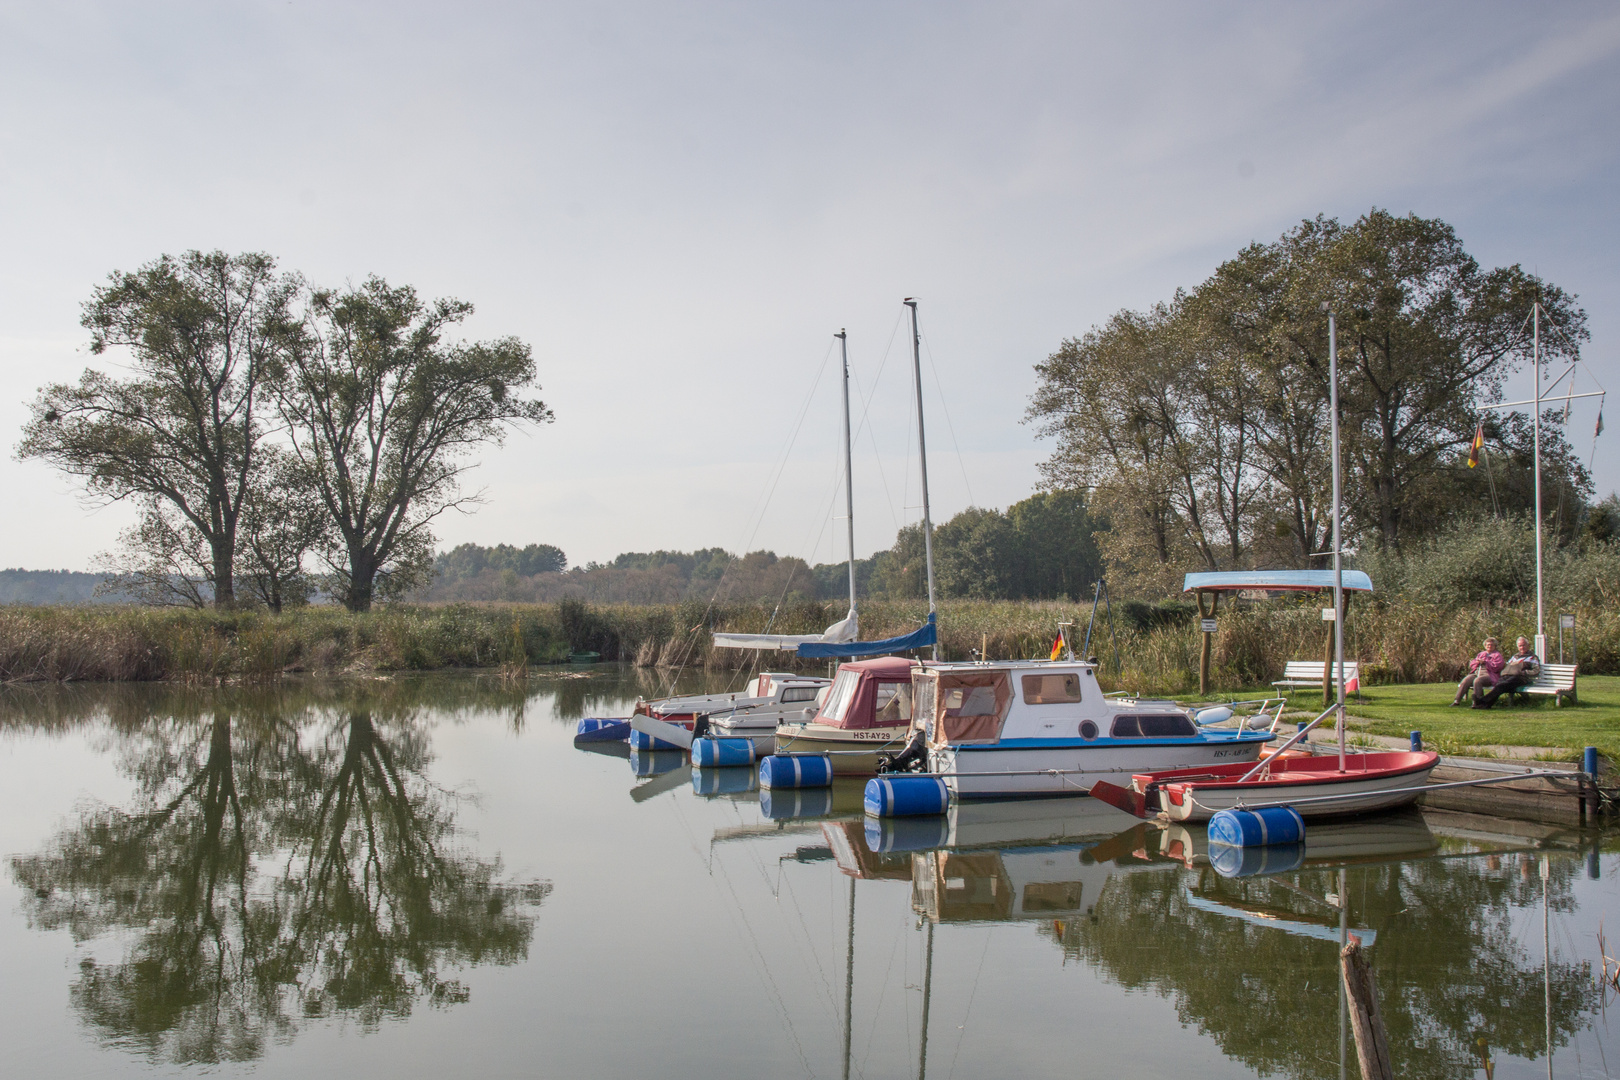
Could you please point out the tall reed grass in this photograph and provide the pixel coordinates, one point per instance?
(1408, 642)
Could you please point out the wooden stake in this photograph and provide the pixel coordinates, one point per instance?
(1372, 1043)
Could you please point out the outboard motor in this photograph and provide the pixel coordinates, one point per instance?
(700, 725)
(913, 758)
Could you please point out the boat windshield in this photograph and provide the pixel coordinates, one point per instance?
(1152, 726)
(843, 692)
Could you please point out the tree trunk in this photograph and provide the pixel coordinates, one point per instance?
(362, 578)
(224, 570)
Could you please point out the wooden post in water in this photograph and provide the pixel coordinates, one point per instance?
(1372, 1043)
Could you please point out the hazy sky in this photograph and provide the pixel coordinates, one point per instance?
(677, 205)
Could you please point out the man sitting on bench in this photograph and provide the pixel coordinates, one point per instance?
(1520, 670)
(1482, 672)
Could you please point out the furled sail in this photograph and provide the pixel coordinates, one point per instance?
(844, 630)
(920, 638)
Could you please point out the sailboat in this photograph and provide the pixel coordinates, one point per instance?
(868, 709)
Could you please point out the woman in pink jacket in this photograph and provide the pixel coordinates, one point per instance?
(1483, 671)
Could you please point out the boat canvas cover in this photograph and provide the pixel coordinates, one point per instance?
(854, 705)
(921, 638)
(962, 706)
(844, 630)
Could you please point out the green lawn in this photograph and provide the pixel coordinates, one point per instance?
(1425, 707)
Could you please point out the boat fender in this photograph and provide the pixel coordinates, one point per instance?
(796, 771)
(781, 803)
(906, 796)
(911, 759)
(1217, 715)
(1237, 862)
(722, 753)
(640, 740)
(1257, 828)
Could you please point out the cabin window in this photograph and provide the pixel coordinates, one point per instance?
(1051, 689)
(800, 693)
(893, 703)
(1152, 726)
(843, 692)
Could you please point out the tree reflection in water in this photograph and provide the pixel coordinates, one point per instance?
(266, 879)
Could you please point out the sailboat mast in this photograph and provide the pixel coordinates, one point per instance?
(922, 454)
(849, 979)
(849, 469)
(1338, 542)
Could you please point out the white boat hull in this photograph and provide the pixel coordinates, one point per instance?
(996, 772)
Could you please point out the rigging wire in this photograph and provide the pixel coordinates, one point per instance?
(949, 426)
(967, 1010)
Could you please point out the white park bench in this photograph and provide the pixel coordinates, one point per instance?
(1556, 681)
(1307, 675)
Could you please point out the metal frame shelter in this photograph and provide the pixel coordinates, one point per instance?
(1214, 584)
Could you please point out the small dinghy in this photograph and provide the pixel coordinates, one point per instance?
(1315, 786)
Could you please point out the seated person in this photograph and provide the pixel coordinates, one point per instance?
(1521, 669)
(1482, 672)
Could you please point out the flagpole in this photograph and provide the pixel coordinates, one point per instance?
(1338, 543)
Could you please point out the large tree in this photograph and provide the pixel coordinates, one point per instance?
(180, 435)
(382, 411)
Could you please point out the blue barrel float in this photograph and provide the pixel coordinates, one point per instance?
(906, 796)
(602, 729)
(640, 740)
(887, 835)
(655, 762)
(1257, 828)
(796, 771)
(782, 803)
(731, 781)
(722, 753)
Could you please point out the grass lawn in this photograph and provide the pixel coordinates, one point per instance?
(1425, 707)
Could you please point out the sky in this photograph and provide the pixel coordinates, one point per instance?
(678, 205)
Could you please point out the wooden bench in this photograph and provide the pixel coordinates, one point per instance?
(1556, 681)
(1307, 675)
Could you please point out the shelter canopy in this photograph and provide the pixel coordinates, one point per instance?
(1297, 580)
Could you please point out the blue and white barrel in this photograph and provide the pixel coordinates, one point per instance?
(1238, 862)
(640, 740)
(906, 796)
(722, 753)
(782, 803)
(885, 835)
(732, 781)
(602, 729)
(796, 771)
(1257, 828)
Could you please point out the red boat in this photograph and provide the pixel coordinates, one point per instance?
(1312, 785)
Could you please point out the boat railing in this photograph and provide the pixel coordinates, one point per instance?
(1265, 765)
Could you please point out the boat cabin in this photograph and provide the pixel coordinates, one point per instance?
(869, 693)
(962, 704)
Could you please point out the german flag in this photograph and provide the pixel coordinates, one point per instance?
(1057, 647)
(1476, 446)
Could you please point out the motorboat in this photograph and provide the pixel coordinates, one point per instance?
(1031, 728)
(865, 714)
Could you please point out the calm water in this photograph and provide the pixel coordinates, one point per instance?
(423, 877)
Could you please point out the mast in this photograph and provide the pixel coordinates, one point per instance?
(1541, 623)
(1338, 544)
(849, 978)
(922, 454)
(928, 991)
(849, 478)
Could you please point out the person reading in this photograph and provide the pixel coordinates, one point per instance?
(1521, 669)
(1482, 672)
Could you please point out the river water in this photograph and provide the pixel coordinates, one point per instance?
(423, 877)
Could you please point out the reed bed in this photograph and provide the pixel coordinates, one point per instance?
(1157, 648)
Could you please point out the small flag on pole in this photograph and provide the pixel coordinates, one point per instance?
(1475, 447)
(1352, 684)
(1057, 646)
(1599, 430)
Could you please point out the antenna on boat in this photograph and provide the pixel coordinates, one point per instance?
(1338, 544)
(849, 467)
(922, 455)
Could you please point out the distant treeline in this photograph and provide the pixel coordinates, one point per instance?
(1038, 549)
(18, 586)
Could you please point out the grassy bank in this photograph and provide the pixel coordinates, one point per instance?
(1593, 721)
(1158, 648)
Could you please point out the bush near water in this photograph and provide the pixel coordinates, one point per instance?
(1410, 641)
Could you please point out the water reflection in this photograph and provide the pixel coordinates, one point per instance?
(271, 871)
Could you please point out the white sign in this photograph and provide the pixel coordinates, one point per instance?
(1207, 625)
(1566, 622)
(1327, 615)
